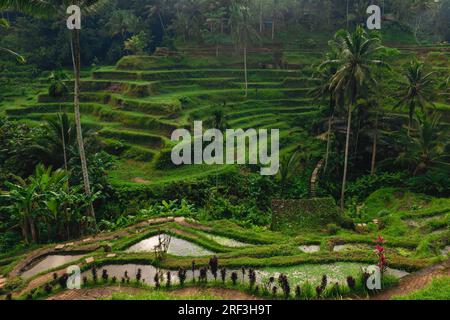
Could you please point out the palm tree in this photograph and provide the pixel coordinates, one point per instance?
(419, 7)
(158, 8)
(416, 90)
(289, 166)
(428, 147)
(58, 8)
(243, 30)
(355, 64)
(122, 23)
(58, 85)
(376, 105)
(218, 120)
(323, 91)
(59, 143)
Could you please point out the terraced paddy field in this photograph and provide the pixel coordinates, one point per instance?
(135, 112)
(135, 106)
(126, 257)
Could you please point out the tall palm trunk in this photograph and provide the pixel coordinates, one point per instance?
(273, 28)
(163, 27)
(77, 69)
(347, 145)
(63, 140)
(416, 29)
(374, 146)
(34, 236)
(327, 154)
(410, 116)
(24, 228)
(347, 14)
(330, 121)
(245, 70)
(260, 16)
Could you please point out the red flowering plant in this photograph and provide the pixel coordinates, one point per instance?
(380, 252)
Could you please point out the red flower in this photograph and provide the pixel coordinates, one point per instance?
(380, 239)
(379, 248)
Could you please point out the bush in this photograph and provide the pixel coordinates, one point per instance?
(433, 183)
(332, 229)
(364, 186)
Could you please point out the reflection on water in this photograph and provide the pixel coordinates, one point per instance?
(147, 272)
(336, 272)
(177, 247)
(224, 241)
(50, 262)
(310, 248)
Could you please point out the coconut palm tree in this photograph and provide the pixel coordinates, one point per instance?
(244, 33)
(428, 146)
(416, 90)
(289, 166)
(57, 8)
(355, 63)
(323, 91)
(159, 9)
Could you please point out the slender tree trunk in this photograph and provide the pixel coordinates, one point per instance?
(416, 30)
(245, 70)
(358, 130)
(84, 170)
(260, 16)
(33, 230)
(24, 228)
(163, 27)
(49, 231)
(273, 28)
(217, 50)
(410, 117)
(63, 140)
(347, 144)
(374, 146)
(347, 14)
(330, 120)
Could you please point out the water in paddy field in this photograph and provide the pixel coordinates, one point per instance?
(148, 273)
(336, 272)
(50, 262)
(351, 247)
(177, 247)
(309, 249)
(224, 241)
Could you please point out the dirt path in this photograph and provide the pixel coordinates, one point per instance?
(415, 281)
(106, 292)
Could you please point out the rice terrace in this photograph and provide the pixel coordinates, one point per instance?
(225, 150)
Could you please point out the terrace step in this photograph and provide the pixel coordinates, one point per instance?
(104, 114)
(276, 110)
(134, 137)
(196, 73)
(128, 150)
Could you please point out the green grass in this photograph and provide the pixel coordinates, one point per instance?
(438, 289)
(162, 295)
